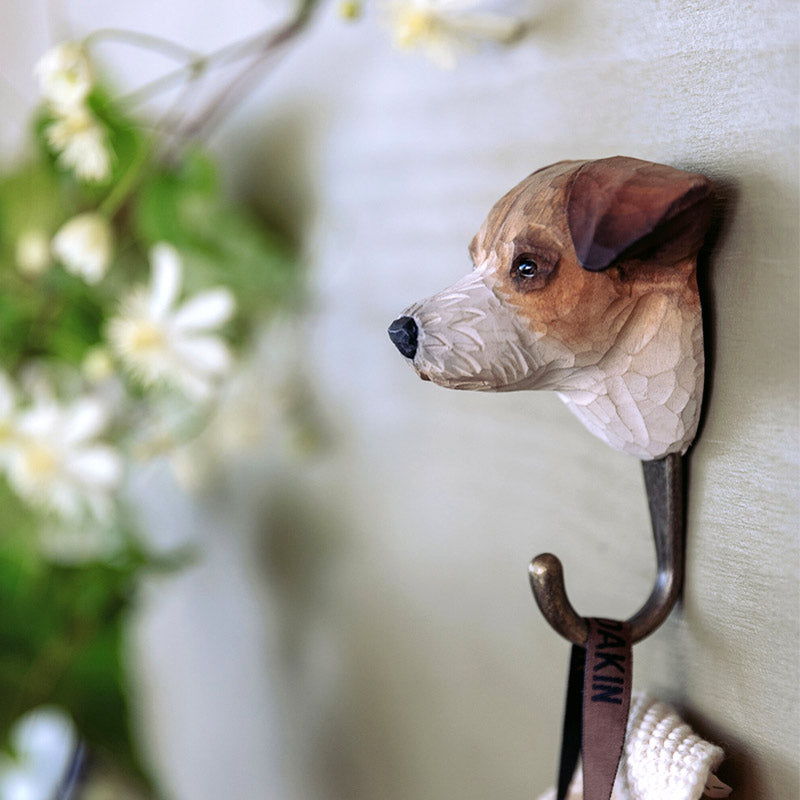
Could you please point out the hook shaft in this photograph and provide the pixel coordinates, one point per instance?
(664, 483)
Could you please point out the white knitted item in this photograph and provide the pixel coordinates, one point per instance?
(663, 758)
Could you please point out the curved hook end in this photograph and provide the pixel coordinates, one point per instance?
(544, 568)
(547, 582)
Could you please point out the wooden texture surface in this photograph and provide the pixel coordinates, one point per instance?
(583, 282)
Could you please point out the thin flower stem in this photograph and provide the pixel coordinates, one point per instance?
(145, 41)
(164, 83)
(233, 92)
(123, 188)
(227, 97)
(228, 54)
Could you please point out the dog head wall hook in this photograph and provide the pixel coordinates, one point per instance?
(585, 284)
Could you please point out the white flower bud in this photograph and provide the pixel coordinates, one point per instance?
(65, 75)
(82, 143)
(83, 245)
(32, 252)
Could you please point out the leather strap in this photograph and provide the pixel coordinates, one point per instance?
(596, 709)
(572, 729)
(608, 675)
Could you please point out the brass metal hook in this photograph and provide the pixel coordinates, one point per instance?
(664, 484)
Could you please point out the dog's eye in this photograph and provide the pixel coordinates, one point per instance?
(531, 270)
(526, 267)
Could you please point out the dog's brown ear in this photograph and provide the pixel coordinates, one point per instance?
(626, 207)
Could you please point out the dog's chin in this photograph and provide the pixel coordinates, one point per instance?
(452, 382)
(471, 383)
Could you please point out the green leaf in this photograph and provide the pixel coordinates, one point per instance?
(31, 198)
(174, 205)
(58, 318)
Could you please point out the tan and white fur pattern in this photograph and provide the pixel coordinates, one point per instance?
(621, 344)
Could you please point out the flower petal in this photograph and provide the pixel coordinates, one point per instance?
(83, 420)
(41, 421)
(97, 467)
(45, 737)
(206, 310)
(206, 355)
(194, 386)
(166, 278)
(87, 153)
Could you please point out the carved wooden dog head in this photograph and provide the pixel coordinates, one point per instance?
(584, 283)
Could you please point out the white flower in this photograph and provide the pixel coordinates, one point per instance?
(444, 29)
(82, 144)
(43, 742)
(54, 462)
(83, 245)
(65, 75)
(32, 252)
(159, 342)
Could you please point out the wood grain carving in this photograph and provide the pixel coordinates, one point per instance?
(585, 284)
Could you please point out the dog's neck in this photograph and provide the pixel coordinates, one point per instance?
(643, 395)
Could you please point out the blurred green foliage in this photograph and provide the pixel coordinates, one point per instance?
(61, 636)
(62, 625)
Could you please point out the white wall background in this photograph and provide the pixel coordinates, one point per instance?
(362, 626)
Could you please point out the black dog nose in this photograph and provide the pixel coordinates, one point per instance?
(403, 332)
